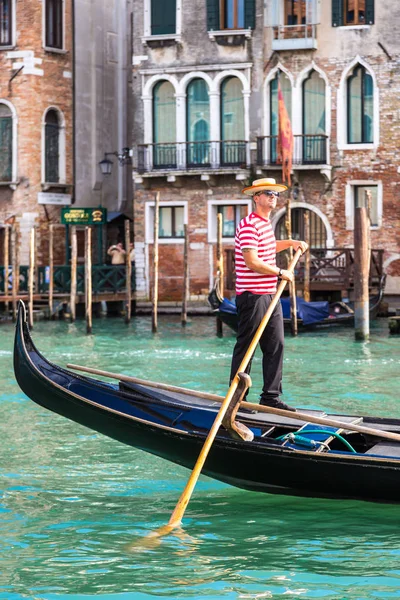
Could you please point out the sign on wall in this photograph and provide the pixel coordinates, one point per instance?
(83, 216)
(58, 199)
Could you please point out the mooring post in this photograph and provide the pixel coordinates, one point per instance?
(31, 276)
(51, 268)
(185, 291)
(15, 271)
(155, 263)
(307, 261)
(74, 261)
(128, 272)
(88, 278)
(220, 270)
(361, 273)
(292, 285)
(6, 265)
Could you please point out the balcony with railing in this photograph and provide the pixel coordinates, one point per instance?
(308, 150)
(193, 156)
(294, 24)
(294, 37)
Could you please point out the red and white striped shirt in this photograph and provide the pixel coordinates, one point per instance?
(255, 232)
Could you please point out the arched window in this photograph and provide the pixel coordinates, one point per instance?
(317, 229)
(360, 107)
(164, 125)
(52, 147)
(284, 81)
(6, 143)
(314, 119)
(233, 145)
(198, 123)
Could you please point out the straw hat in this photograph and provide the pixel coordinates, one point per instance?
(268, 183)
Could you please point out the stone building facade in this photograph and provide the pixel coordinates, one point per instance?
(205, 82)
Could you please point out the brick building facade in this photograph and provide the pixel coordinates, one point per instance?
(36, 115)
(64, 104)
(205, 85)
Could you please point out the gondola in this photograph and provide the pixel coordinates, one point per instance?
(310, 315)
(286, 456)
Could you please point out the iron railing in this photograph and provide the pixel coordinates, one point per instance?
(105, 279)
(192, 155)
(330, 268)
(307, 150)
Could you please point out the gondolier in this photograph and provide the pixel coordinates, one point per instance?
(256, 280)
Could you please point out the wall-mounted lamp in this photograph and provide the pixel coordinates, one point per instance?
(105, 166)
(124, 158)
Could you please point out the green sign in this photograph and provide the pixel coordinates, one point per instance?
(83, 216)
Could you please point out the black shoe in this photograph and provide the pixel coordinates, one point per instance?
(276, 403)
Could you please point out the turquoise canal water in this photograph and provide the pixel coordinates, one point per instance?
(73, 500)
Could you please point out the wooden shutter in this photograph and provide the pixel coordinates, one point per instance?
(370, 12)
(250, 14)
(213, 19)
(163, 17)
(337, 13)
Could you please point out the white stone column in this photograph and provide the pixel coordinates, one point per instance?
(148, 131)
(215, 128)
(246, 106)
(181, 130)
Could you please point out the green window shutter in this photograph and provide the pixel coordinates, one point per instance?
(337, 13)
(213, 23)
(250, 14)
(163, 17)
(369, 12)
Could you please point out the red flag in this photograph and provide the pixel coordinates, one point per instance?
(285, 138)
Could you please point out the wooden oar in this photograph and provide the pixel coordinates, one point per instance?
(299, 416)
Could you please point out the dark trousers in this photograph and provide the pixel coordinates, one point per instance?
(251, 310)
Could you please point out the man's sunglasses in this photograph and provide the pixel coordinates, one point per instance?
(268, 193)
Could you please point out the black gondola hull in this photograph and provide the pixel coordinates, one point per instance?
(176, 432)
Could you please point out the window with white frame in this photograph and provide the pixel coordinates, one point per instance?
(360, 107)
(368, 194)
(232, 214)
(282, 80)
(172, 217)
(6, 23)
(164, 125)
(6, 143)
(232, 211)
(54, 24)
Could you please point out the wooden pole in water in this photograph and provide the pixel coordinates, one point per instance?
(6, 261)
(74, 261)
(292, 285)
(185, 292)
(31, 275)
(128, 272)
(361, 273)
(15, 271)
(155, 263)
(220, 269)
(307, 261)
(51, 268)
(88, 278)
